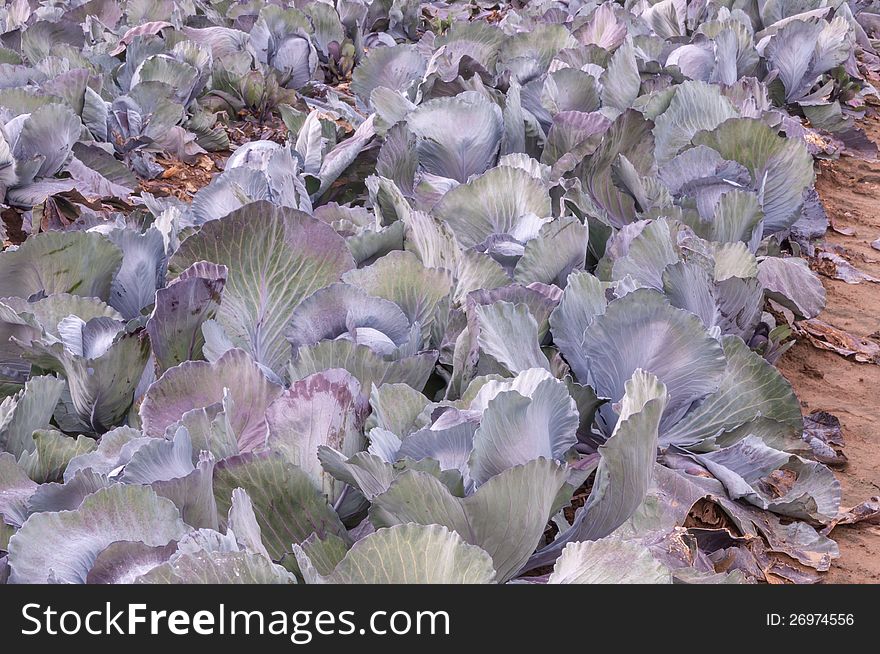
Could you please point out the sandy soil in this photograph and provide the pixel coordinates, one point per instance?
(850, 191)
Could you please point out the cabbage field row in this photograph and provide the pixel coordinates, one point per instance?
(497, 299)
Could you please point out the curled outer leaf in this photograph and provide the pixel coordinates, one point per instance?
(199, 384)
(276, 257)
(517, 501)
(78, 263)
(406, 554)
(62, 547)
(608, 561)
(625, 468)
(325, 409)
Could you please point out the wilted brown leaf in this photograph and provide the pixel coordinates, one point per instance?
(827, 337)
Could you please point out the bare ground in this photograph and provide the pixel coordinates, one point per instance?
(850, 192)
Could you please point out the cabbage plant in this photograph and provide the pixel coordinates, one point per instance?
(473, 301)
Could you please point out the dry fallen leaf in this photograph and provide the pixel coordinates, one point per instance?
(836, 267)
(828, 337)
(823, 434)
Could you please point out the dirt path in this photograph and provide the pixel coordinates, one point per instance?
(850, 191)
